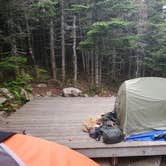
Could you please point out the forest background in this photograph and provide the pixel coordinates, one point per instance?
(100, 43)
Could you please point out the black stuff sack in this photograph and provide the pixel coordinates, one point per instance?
(112, 135)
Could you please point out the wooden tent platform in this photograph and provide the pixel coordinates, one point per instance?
(60, 119)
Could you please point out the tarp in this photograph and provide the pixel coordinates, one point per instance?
(141, 105)
(148, 136)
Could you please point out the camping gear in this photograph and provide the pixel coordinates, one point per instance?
(5, 135)
(160, 136)
(23, 150)
(141, 105)
(111, 135)
(105, 126)
(95, 133)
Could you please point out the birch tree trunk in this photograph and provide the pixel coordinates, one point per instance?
(74, 50)
(63, 41)
(52, 51)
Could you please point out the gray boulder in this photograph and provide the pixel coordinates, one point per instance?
(3, 100)
(5, 92)
(49, 93)
(71, 92)
(42, 85)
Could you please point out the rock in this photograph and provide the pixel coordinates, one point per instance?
(42, 85)
(96, 96)
(5, 92)
(27, 95)
(86, 95)
(37, 95)
(73, 92)
(3, 100)
(49, 93)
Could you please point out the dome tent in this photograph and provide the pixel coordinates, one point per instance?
(141, 105)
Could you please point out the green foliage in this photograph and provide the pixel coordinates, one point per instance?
(42, 74)
(86, 45)
(9, 106)
(45, 9)
(155, 61)
(130, 41)
(98, 28)
(12, 66)
(11, 63)
(94, 90)
(91, 90)
(106, 27)
(15, 79)
(15, 87)
(78, 8)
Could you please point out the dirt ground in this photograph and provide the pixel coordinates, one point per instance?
(55, 89)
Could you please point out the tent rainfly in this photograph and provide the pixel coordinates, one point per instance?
(141, 105)
(24, 150)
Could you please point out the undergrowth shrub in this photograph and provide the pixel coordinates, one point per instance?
(12, 66)
(15, 78)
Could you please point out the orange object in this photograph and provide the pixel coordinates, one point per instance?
(39, 152)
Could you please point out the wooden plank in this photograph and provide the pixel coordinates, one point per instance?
(141, 161)
(134, 161)
(151, 161)
(60, 120)
(123, 152)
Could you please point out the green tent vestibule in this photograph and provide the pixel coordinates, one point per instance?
(141, 105)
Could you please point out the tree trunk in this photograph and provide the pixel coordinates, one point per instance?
(97, 70)
(137, 73)
(63, 40)
(87, 63)
(30, 49)
(141, 30)
(92, 67)
(100, 70)
(113, 64)
(83, 60)
(74, 50)
(14, 49)
(52, 51)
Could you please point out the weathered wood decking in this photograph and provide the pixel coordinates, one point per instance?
(60, 119)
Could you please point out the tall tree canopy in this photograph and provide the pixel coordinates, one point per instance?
(101, 41)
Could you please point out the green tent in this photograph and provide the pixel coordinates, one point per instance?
(141, 105)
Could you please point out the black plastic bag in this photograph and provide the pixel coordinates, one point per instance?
(112, 135)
